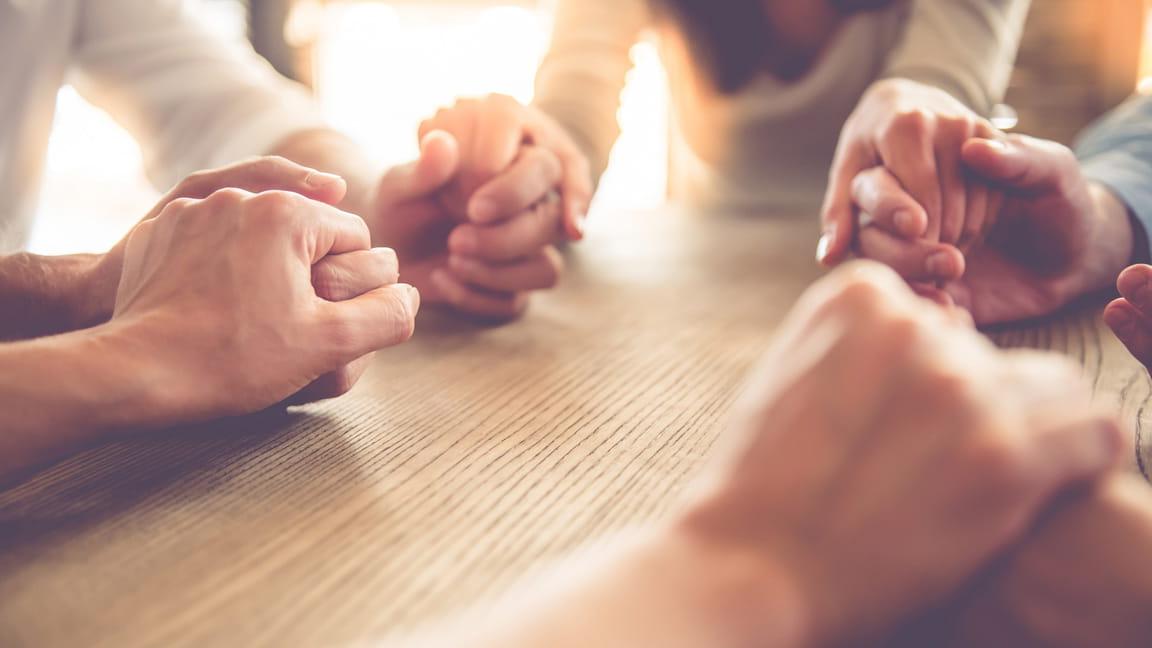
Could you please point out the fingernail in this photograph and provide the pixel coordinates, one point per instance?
(939, 264)
(580, 222)
(999, 145)
(317, 179)
(414, 298)
(823, 246)
(906, 223)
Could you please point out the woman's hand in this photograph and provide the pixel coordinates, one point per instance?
(916, 132)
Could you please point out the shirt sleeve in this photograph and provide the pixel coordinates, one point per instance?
(1116, 151)
(581, 77)
(965, 47)
(193, 100)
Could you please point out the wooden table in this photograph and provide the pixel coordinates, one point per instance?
(465, 459)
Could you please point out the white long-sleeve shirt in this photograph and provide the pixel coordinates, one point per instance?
(191, 100)
(771, 144)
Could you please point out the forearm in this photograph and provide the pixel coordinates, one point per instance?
(42, 295)
(63, 392)
(663, 589)
(964, 47)
(583, 73)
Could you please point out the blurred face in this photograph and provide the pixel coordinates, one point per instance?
(735, 40)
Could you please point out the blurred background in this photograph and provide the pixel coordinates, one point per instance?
(380, 67)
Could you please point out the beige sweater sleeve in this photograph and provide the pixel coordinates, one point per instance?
(582, 75)
(966, 47)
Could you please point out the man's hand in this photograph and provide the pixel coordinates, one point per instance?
(1054, 237)
(1081, 579)
(885, 452)
(916, 132)
(484, 264)
(1130, 316)
(219, 294)
(255, 175)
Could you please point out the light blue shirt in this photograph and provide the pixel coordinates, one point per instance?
(1117, 152)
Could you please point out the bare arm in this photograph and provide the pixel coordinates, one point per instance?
(61, 392)
(580, 80)
(660, 588)
(45, 295)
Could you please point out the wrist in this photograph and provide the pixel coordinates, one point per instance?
(63, 392)
(1113, 244)
(755, 594)
(92, 295)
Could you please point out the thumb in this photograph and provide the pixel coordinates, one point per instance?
(379, 318)
(838, 217)
(437, 165)
(838, 223)
(1020, 162)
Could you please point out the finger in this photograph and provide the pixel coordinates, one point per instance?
(977, 212)
(533, 174)
(1020, 162)
(380, 318)
(535, 273)
(258, 175)
(950, 139)
(333, 384)
(1135, 285)
(877, 193)
(1132, 327)
(918, 260)
(326, 230)
(345, 276)
(519, 237)
(486, 304)
(1065, 438)
(911, 159)
(1075, 451)
(576, 182)
(838, 216)
(497, 136)
(438, 164)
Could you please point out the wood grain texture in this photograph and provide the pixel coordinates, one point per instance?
(466, 458)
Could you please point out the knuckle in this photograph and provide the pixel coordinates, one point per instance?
(950, 388)
(226, 197)
(913, 122)
(326, 279)
(861, 291)
(176, 207)
(196, 185)
(997, 462)
(901, 334)
(273, 207)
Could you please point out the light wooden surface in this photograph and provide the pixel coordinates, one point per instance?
(468, 457)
